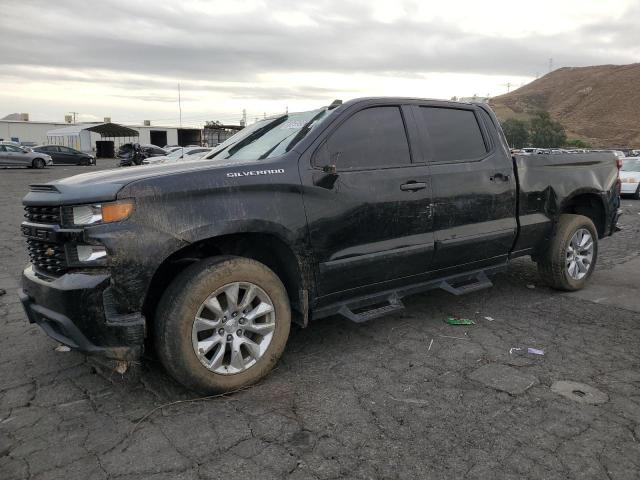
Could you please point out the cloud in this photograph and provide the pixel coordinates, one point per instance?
(140, 50)
(152, 39)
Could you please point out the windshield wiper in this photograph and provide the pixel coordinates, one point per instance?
(248, 139)
(304, 130)
(257, 134)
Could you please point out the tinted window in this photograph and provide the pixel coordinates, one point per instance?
(52, 149)
(371, 138)
(454, 134)
(11, 148)
(66, 150)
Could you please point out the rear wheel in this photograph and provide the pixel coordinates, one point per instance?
(571, 255)
(222, 324)
(38, 163)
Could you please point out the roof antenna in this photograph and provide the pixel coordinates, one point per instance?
(335, 104)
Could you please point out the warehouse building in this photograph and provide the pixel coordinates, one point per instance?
(82, 136)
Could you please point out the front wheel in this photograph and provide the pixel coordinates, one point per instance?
(38, 163)
(571, 255)
(222, 324)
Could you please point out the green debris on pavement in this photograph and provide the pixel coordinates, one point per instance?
(459, 321)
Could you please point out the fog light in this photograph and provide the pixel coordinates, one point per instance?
(91, 253)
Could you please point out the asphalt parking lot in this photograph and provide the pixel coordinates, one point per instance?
(404, 396)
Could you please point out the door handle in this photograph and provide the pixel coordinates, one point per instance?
(413, 186)
(499, 177)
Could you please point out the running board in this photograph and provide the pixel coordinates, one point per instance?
(481, 281)
(367, 307)
(393, 305)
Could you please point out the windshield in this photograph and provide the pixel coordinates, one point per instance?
(631, 165)
(271, 137)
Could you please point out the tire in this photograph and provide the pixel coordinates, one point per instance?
(636, 195)
(554, 265)
(38, 163)
(175, 334)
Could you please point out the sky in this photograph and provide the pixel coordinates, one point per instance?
(124, 59)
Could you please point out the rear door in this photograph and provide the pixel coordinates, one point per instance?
(370, 222)
(474, 190)
(54, 152)
(67, 155)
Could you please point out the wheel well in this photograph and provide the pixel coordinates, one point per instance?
(590, 205)
(264, 248)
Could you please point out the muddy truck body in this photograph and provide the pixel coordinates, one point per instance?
(342, 210)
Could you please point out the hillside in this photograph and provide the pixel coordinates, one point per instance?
(600, 104)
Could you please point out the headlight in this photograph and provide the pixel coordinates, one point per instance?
(102, 213)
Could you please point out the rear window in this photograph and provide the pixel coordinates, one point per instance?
(454, 134)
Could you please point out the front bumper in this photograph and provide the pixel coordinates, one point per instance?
(77, 310)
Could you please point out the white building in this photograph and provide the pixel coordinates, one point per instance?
(38, 133)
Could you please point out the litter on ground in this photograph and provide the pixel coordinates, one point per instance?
(459, 321)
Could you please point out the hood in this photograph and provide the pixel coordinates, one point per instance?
(104, 186)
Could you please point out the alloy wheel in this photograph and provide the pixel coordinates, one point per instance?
(233, 328)
(579, 254)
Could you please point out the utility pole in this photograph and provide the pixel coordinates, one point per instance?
(243, 122)
(180, 104)
(550, 65)
(74, 116)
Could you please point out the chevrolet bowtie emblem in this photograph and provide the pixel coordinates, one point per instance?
(49, 252)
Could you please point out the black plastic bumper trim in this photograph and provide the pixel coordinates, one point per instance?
(63, 330)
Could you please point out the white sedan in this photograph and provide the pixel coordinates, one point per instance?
(630, 177)
(183, 153)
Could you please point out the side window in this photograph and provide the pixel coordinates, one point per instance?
(372, 138)
(454, 134)
(2, 148)
(53, 149)
(11, 148)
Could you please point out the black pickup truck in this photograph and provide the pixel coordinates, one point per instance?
(341, 210)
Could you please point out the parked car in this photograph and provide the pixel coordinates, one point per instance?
(12, 155)
(181, 153)
(62, 155)
(343, 210)
(630, 177)
(146, 150)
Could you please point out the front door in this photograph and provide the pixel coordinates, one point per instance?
(370, 221)
(474, 189)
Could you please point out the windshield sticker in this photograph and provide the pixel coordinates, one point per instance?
(253, 173)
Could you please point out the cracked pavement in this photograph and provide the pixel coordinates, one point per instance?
(403, 396)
